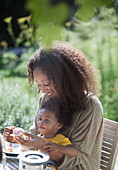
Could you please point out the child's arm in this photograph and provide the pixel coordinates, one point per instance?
(69, 150)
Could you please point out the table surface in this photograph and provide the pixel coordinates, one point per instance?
(13, 164)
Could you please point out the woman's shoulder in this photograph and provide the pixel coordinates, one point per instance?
(93, 110)
(93, 101)
(93, 107)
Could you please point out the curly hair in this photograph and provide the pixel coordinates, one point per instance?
(72, 74)
(57, 106)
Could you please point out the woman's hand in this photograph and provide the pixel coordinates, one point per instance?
(7, 134)
(33, 143)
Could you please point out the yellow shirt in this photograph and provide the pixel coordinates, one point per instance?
(58, 139)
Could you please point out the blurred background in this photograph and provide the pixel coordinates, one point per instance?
(26, 25)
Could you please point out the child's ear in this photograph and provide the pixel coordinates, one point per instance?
(60, 125)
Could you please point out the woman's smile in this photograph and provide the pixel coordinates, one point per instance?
(51, 93)
(44, 84)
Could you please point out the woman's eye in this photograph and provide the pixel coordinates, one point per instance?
(47, 84)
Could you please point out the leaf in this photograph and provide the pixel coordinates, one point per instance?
(44, 12)
(8, 20)
(48, 19)
(48, 33)
(87, 7)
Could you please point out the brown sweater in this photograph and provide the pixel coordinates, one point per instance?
(85, 134)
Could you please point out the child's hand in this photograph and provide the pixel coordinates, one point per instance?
(8, 134)
(33, 142)
(50, 147)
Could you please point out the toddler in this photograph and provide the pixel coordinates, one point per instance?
(50, 126)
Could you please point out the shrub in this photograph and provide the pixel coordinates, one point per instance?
(17, 104)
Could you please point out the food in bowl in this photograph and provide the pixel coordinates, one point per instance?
(11, 147)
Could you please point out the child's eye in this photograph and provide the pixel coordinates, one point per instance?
(40, 119)
(46, 121)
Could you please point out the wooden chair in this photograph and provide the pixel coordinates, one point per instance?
(109, 145)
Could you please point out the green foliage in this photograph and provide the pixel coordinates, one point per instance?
(12, 65)
(26, 34)
(45, 12)
(17, 104)
(98, 40)
(50, 18)
(109, 99)
(87, 7)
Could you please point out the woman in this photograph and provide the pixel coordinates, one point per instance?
(65, 72)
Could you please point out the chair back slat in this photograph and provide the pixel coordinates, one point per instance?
(105, 139)
(106, 144)
(109, 145)
(105, 154)
(104, 158)
(103, 167)
(110, 131)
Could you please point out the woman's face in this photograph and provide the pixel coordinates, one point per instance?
(44, 84)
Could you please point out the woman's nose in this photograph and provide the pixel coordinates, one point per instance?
(43, 89)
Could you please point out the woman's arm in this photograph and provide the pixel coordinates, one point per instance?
(68, 150)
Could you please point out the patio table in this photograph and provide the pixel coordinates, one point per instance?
(12, 164)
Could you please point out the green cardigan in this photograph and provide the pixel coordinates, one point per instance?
(85, 134)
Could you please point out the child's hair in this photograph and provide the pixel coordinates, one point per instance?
(54, 105)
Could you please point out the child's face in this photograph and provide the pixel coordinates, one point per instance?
(48, 124)
(44, 84)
